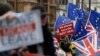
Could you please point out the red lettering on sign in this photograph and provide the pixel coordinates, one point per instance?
(18, 30)
(66, 29)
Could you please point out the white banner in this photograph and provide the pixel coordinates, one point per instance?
(22, 31)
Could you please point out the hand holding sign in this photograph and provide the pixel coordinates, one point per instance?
(9, 15)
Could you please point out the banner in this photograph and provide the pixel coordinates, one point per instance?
(66, 29)
(24, 30)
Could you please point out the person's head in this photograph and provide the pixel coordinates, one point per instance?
(4, 8)
(44, 14)
(69, 53)
(65, 47)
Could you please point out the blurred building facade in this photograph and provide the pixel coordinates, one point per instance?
(53, 7)
(26, 5)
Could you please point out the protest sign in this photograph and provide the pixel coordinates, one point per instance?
(66, 29)
(24, 30)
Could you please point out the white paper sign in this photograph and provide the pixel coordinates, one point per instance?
(22, 31)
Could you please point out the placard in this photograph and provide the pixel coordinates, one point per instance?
(23, 30)
(66, 29)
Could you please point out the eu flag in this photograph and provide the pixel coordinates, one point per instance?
(80, 31)
(61, 20)
(95, 20)
(74, 12)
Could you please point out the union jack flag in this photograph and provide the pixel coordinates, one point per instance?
(90, 45)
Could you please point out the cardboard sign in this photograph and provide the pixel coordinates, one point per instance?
(66, 29)
(24, 30)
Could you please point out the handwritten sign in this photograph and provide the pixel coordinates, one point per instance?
(66, 29)
(24, 30)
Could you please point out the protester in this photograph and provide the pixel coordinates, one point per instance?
(6, 12)
(73, 49)
(4, 8)
(48, 46)
(66, 48)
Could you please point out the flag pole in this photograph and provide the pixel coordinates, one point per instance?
(82, 4)
(67, 7)
(89, 5)
(89, 13)
(88, 19)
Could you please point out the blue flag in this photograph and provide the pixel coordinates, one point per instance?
(75, 12)
(95, 20)
(80, 31)
(61, 20)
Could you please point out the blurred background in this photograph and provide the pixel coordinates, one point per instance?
(53, 7)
